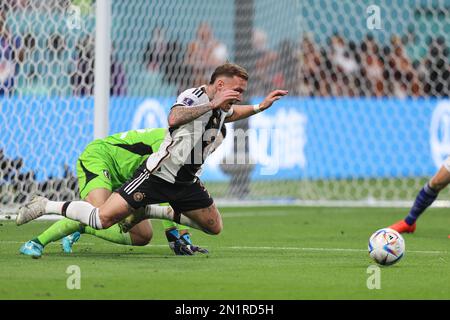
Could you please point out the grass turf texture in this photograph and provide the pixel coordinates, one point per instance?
(263, 253)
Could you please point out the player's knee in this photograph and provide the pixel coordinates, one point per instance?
(215, 230)
(141, 239)
(216, 227)
(437, 185)
(106, 222)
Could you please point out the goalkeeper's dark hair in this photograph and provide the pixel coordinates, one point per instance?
(229, 70)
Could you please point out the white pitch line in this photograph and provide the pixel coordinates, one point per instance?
(325, 249)
(258, 248)
(256, 214)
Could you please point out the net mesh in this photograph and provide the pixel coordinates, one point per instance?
(370, 55)
(46, 60)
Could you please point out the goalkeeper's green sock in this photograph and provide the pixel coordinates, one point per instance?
(112, 234)
(183, 228)
(58, 230)
(169, 224)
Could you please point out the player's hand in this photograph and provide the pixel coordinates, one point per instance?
(271, 98)
(182, 249)
(225, 99)
(227, 107)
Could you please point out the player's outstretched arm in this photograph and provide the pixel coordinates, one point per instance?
(180, 115)
(242, 112)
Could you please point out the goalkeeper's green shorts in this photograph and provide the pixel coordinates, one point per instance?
(95, 170)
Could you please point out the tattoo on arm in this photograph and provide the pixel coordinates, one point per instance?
(180, 115)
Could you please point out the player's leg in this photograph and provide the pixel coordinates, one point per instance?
(64, 227)
(171, 231)
(162, 191)
(197, 208)
(116, 208)
(441, 179)
(108, 214)
(112, 211)
(134, 194)
(70, 231)
(55, 232)
(139, 235)
(94, 187)
(174, 232)
(142, 233)
(424, 199)
(96, 193)
(209, 219)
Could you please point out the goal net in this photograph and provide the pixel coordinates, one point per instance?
(46, 79)
(367, 119)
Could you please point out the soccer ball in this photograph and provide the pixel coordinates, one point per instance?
(386, 246)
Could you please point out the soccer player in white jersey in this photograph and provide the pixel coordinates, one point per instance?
(172, 174)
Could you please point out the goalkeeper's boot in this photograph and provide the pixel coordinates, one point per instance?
(186, 238)
(32, 210)
(68, 241)
(177, 245)
(32, 248)
(402, 227)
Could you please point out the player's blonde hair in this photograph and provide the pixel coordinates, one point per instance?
(229, 70)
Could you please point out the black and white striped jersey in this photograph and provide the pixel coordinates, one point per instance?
(185, 148)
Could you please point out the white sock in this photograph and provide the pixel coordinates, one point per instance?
(159, 212)
(81, 211)
(54, 207)
(185, 221)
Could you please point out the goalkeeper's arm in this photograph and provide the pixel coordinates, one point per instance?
(242, 112)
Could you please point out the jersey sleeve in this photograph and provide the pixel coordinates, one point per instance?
(187, 99)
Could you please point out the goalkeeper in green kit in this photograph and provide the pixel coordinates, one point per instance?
(104, 166)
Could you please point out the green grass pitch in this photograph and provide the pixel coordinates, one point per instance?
(263, 253)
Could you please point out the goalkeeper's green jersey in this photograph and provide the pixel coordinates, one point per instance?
(129, 149)
(110, 162)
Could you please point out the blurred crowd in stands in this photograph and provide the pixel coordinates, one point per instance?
(346, 68)
(339, 67)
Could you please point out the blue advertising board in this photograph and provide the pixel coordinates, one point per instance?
(314, 138)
